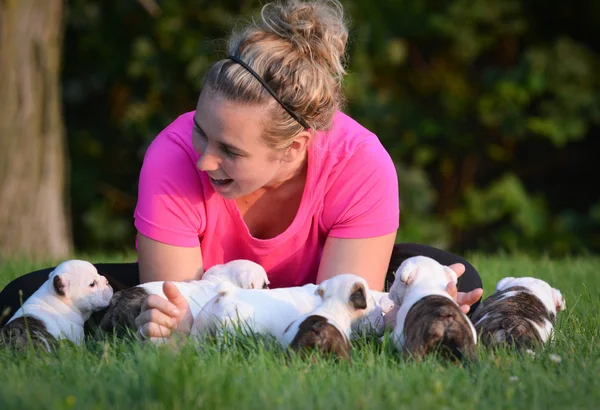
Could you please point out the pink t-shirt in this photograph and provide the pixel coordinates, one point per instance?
(351, 191)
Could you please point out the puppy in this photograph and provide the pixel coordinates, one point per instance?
(267, 311)
(59, 308)
(126, 305)
(521, 313)
(428, 318)
(327, 329)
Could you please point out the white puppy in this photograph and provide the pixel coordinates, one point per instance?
(521, 313)
(126, 304)
(428, 318)
(269, 312)
(60, 307)
(345, 299)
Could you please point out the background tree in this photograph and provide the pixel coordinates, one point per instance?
(33, 220)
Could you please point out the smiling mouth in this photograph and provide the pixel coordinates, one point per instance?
(221, 182)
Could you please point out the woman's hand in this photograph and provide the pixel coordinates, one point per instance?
(464, 300)
(161, 317)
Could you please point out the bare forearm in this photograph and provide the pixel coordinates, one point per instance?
(160, 262)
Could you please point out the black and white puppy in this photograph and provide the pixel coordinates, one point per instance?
(59, 308)
(126, 304)
(428, 319)
(520, 313)
(345, 300)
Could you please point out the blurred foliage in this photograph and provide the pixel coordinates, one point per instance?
(490, 108)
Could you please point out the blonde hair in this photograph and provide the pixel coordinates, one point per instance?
(298, 48)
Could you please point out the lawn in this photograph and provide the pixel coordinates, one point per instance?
(256, 375)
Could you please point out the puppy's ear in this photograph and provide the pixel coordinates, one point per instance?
(407, 273)
(503, 283)
(61, 285)
(450, 274)
(559, 300)
(358, 296)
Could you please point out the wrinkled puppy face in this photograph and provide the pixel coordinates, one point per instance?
(78, 284)
(416, 270)
(241, 272)
(551, 297)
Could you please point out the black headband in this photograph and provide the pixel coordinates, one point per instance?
(270, 90)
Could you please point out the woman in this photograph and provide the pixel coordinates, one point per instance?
(268, 168)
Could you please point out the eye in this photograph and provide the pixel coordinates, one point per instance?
(93, 284)
(229, 152)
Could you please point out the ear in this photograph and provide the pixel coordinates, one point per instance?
(320, 290)
(358, 296)
(61, 285)
(408, 273)
(297, 147)
(503, 283)
(559, 300)
(450, 274)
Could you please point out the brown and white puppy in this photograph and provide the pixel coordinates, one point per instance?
(126, 304)
(428, 319)
(345, 300)
(520, 313)
(59, 308)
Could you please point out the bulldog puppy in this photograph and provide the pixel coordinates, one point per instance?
(428, 318)
(521, 313)
(59, 308)
(345, 299)
(263, 311)
(126, 305)
(268, 312)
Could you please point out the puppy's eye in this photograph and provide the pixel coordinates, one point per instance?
(93, 284)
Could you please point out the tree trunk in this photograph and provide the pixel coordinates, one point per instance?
(33, 218)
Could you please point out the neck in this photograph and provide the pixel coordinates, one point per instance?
(291, 171)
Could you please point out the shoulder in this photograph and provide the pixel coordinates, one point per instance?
(175, 140)
(348, 149)
(345, 137)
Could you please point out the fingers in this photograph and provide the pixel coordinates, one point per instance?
(153, 330)
(459, 268)
(161, 304)
(175, 297)
(470, 297)
(157, 317)
(452, 290)
(184, 318)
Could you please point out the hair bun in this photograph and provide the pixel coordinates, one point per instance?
(317, 29)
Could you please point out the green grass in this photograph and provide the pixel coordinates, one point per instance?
(255, 375)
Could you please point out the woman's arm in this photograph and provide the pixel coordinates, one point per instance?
(160, 261)
(366, 257)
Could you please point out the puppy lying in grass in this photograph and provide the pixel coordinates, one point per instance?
(345, 301)
(126, 304)
(428, 319)
(59, 308)
(521, 313)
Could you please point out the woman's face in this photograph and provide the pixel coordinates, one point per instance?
(227, 135)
